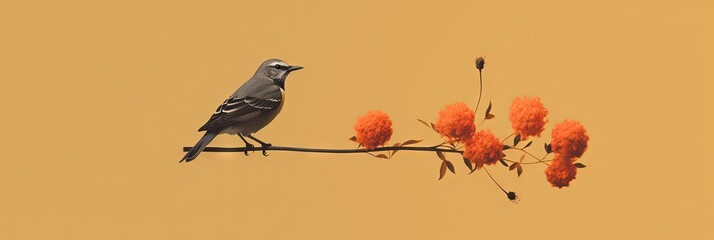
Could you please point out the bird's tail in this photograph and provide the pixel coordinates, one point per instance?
(200, 145)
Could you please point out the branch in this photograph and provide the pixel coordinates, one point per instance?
(322, 150)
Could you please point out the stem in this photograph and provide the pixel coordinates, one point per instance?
(507, 137)
(324, 150)
(511, 161)
(540, 160)
(480, 89)
(494, 180)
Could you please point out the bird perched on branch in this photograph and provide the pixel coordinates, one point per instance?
(248, 109)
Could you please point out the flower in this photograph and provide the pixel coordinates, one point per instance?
(528, 116)
(456, 122)
(483, 149)
(561, 171)
(480, 62)
(373, 129)
(569, 139)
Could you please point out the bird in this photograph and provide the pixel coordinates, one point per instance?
(250, 108)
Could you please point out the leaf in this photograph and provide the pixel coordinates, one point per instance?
(548, 148)
(519, 169)
(382, 156)
(490, 116)
(442, 170)
(441, 155)
(503, 162)
(579, 165)
(450, 166)
(410, 142)
(506, 147)
(528, 145)
(468, 163)
(488, 110)
(433, 126)
(396, 145)
(522, 157)
(517, 139)
(353, 138)
(423, 122)
(513, 166)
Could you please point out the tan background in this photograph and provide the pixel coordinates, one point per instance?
(99, 98)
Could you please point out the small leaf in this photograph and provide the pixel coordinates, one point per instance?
(442, 170)
(522, 157)
(441, 155)
(488, 110)
(513, 166)
(506, 147)
(579, 165)
(548, 148)
(382, 156)
(433, 126)
(450, 166)
(503, 162)
(528, 144)
(519, 169)
(353, 138)
(516, 140)
(423, 122)
(410, 142)
(490, 116)
(468, 163)
(396, 145)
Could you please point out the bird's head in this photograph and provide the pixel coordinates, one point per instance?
(277, 70)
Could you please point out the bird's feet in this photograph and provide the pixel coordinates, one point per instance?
(264, 147)
(247, 146)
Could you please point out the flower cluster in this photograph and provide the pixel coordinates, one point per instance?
(456, 122)
(569, 143)
(373, 129)
(528, 116)
(483, 149)
(561, 171)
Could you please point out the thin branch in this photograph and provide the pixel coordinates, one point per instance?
(323, 150)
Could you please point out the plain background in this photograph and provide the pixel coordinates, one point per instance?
(99, 97)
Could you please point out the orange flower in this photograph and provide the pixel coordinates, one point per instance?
(528, 116)
(456, 122)
(569, 139)
(483, 149)
(561, 171)
(373, 129)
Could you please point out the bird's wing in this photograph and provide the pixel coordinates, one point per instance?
(239, 108)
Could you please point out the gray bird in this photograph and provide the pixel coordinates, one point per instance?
(248, 109)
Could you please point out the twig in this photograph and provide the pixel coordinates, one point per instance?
(323, 150)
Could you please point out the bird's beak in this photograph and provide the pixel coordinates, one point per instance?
(294, 68)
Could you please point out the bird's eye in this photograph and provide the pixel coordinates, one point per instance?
(278, 66)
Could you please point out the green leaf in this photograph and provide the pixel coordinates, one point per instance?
(441, 155)
(517, 139)
(410, 142)
(506, 147)
(528, 144)
(442, 170)
(468, 163)
(548, 148)
(450, 166)
(579, 165)
(353, 138)
(519, 169)
(503, 162)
